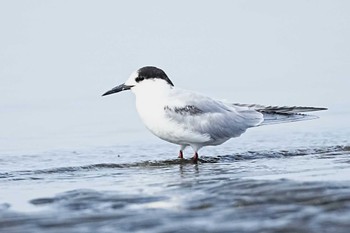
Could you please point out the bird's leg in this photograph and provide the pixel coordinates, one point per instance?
(181, 155)
(195, 158)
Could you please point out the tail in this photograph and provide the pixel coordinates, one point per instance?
(277, 115)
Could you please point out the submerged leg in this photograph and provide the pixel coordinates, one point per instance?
(195, 158)
(181, 155)
(196, 148)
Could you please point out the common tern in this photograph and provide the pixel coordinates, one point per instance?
(190, 119)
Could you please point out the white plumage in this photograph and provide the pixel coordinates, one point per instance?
(191, 119)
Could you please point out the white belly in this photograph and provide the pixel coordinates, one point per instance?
(155, 119)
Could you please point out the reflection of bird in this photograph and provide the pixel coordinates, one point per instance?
(190, 119)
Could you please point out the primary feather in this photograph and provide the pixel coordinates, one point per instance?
(282, 114)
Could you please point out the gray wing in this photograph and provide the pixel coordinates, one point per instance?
(203, 115)
(283, 114)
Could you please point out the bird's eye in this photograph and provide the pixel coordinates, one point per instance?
(139, 79)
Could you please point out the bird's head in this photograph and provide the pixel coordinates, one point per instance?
(145, 78)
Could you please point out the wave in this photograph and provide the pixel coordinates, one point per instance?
(325, 152)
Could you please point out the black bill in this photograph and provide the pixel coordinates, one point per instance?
(117, 89)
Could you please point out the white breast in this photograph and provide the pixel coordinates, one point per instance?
(151, 98)
(150, 101)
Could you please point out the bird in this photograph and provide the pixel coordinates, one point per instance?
(190, 119)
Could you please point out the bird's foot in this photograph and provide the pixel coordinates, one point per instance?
(181, 155)
(195, 158)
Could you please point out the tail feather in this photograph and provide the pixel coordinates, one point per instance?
(278, 118)
(284, 114)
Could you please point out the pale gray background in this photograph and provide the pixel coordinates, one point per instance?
(58, 57)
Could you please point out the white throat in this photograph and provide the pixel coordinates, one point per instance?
(151, 90)
(151, 94)
(151, 98)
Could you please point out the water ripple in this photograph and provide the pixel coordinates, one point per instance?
(323, 153)
(239, 205)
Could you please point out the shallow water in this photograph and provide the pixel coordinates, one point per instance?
(272, 180)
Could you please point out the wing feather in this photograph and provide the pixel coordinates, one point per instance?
(283, 114)
(203, 115)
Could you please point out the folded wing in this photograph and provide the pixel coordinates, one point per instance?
(203, 115)
(283, 114)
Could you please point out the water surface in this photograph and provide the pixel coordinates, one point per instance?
(258, 183)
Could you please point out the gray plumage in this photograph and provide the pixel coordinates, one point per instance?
(282, 114)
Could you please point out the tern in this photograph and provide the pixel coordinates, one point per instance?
(190, 119)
